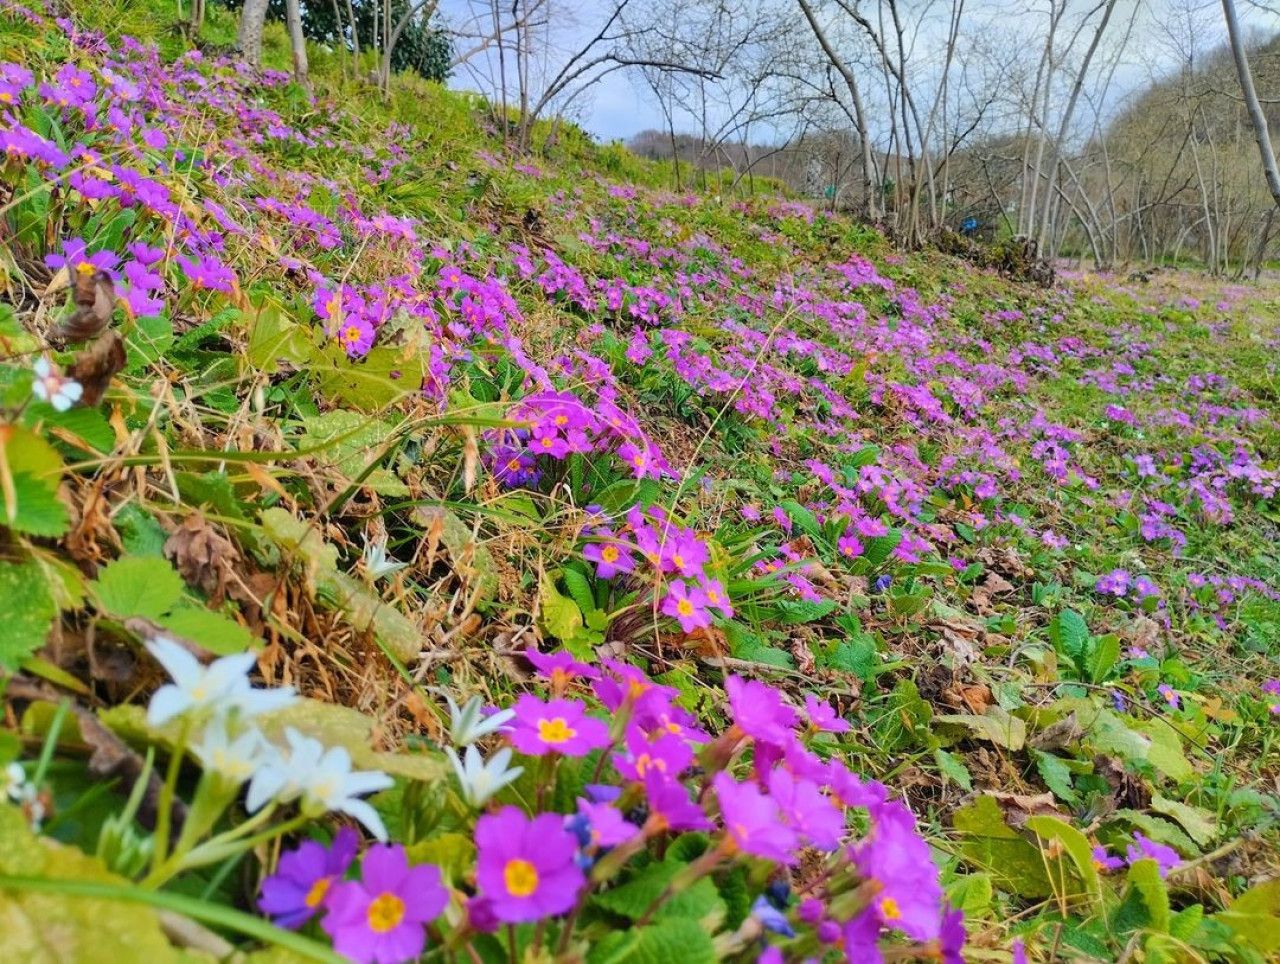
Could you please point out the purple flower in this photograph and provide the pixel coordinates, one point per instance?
(771, 918)
(298, 888)
(557, 726)
(861, 938)
(896, 857)
(953, 936)
(207, 273)
(355, 335)
(752, 821)
(823, 717)
(669, 805)
(1170, 696)
(604, 825)
(560, 668)
(669, 754)
(687, 606)
(759, 710)
(849, 546)
(77, 260)
(383, 916)
(1166, 858)
(804, 807)
(1271, 687)
(611, 557)
(526, 868)
(717, 597)
(1019, 952)
(1104, 862)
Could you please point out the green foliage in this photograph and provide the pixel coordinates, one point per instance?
(29, 611)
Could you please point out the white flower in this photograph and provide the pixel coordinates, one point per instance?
(480, 780)
(322, 777)
(14, 781)
(466, 725)
(376, 563)
(52, 387)
(222, 686)
(234, 759)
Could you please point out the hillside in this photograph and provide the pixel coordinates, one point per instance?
(622, 575)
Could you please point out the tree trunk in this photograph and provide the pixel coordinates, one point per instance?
(249, 36)
(297, 41)
(1256, 116)
(859, 112)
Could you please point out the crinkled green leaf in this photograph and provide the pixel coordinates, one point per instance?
(138, 586)
(1075, 846)
(677, 939)
(1199, 823)
(995, 726)
(1255, 916)
(28, 611)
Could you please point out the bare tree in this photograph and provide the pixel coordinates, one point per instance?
(1256, 117)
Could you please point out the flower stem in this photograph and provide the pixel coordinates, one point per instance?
(164, 811)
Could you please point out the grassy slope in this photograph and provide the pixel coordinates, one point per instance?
(984, 634)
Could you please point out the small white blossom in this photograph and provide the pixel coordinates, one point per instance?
(481, 779)
(234, 759)
(222, 686)
(53, 387)
(14, 781)
(322, 777)
(468, 724)
(375, 560)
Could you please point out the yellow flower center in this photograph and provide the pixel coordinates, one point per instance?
(318, 891)
(521, 877)
(678, 560)
(644, 762)
(385, 913)
(889, 909)
(351, 334)
(513, 465)
(562, 419)
(334, 306)
(713, 597)
(555, 730)
(84, 267)
(6, 97)
(609, 553)
(684, 607)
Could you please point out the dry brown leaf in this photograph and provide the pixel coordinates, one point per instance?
(203, 555)
(1066, 732)
(94, 367)
(1018, 807)
(95, 298)
(992, 585)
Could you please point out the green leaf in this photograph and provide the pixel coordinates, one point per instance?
(36, 508)
(560, 615)
(879, 548)
(1161, 831)
(1164, 751)
(678, 939)
(350, 441)
(1104, 652)
(148, 341)
(44, 926)
(793, 611)
(138, 586)
(859, 656)
(804, 519)
(87, 424)
(29, 611)
(1144, 879)
(213, 631)
(1196, 821)
(453, 853)
(971, 893)
(1069, 634)
(1255, 916)
(1056, 775)
(273, 338)
(580, 589)
(990, 844)
(1076, 846)
(995, 726)
(950, 766)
